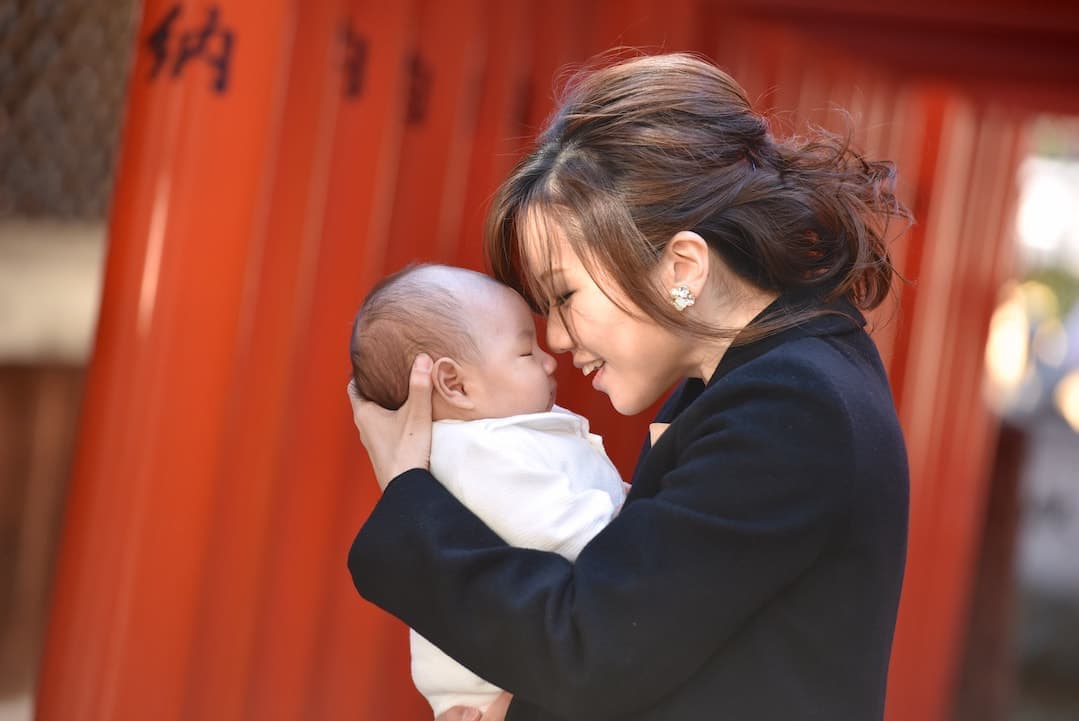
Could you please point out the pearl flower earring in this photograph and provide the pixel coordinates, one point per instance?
(682, 297)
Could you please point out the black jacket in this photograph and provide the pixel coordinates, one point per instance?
(753, 574)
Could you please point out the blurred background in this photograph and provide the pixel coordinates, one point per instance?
(194, 197)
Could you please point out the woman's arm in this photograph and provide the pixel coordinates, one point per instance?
(757, 491)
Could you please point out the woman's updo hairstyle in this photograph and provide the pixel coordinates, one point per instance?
(644, 148)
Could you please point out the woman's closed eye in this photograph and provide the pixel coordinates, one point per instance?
(562, 298)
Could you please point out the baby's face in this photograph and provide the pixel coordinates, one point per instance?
(513, 374)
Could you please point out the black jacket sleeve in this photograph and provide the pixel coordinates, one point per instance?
(761, 481)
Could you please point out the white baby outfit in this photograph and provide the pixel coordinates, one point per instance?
(539, 480)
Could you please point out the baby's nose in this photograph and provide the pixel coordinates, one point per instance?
(558, 338)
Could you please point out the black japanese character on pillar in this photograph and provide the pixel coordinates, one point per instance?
(213, 43)
(196, 44)
(158, 40)
(419, 90)
(354, 64)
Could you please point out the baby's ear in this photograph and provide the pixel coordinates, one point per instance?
(447, 380)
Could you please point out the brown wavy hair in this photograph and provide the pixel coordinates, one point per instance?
(644, 148)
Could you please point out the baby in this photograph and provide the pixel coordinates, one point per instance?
(529, 469)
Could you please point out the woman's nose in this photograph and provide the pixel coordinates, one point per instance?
(558, 338)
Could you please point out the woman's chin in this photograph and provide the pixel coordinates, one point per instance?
(634, 403)
(626, 401)
(625, 406)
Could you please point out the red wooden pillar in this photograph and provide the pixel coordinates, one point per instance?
(188, 213)
(444, 67)
(233, 674)
(322, 482)
(963, 257)
(359, 670)
(500, 135)
(649, 26)
(225, 420)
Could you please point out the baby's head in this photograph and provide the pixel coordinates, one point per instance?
(479, 334)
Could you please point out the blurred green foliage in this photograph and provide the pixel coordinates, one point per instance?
(1065, 285)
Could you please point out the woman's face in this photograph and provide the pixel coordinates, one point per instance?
(630, 357)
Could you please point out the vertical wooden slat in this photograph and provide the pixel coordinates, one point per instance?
(909, 689)
(444, 64)
(569, 36)
(559, 41)
(195, 156)
(950, 430)
(499, 136)
(350, 677)
(445, 68)
(228, 675)
(304, 558)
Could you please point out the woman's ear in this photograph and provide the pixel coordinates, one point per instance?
(447, 381)
(686, 261)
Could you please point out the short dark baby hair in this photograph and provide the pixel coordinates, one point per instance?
(416, 310)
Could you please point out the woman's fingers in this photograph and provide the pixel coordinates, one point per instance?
(499, 707)
(460, 713)
(359, 406)
(365, 413)
(419, 391)
(397, 440)
(353, 392)
(495, 712)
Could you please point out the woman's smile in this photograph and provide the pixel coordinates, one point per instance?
(589, 367)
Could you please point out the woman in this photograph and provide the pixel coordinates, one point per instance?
(754, 571)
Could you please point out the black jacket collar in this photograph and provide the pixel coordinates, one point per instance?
(841, 316)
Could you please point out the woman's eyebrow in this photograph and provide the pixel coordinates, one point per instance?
(549, 273)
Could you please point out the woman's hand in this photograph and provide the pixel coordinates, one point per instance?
(397, 441)
(495, 712)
